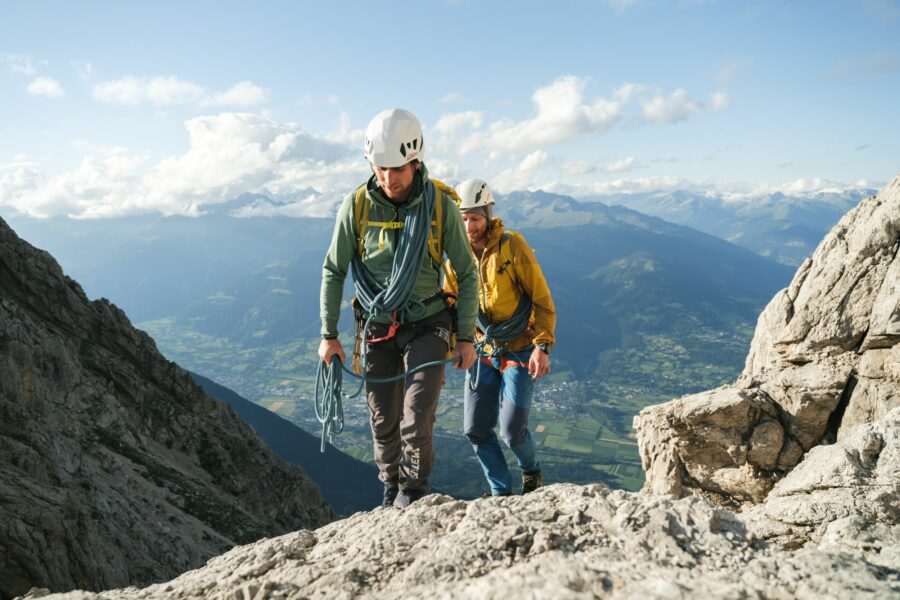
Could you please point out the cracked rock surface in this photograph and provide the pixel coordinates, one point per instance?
(563, 541)
(824, 359)
(115, 468)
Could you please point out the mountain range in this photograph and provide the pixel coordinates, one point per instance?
(254, 281)
(781, 227)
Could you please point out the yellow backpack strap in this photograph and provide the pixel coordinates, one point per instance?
(361, 217)
(506, 257)
(440, 189)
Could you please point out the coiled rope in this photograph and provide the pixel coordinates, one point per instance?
(395, 299)
(506, 331)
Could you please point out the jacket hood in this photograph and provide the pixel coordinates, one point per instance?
(495, 233)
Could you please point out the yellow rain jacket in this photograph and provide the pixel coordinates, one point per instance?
(501, 285)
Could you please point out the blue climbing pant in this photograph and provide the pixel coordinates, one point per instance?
(504, 394)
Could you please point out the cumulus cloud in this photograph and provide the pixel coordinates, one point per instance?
(534, 161)
(563, 112)
(525, 175)
(451, 97)
(45, 86)
(17, 64)
(244, 93)
(229, 154)
(626, 164)
(170, 91)
(309, 206)
(805, 187)
(575, 168)
(678, 107)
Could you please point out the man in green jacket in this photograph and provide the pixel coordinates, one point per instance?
(396, 196)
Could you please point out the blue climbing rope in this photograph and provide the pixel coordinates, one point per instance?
(396, 299)
(506, 331)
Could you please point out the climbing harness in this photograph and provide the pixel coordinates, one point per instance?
(375, 300)
(509, 329)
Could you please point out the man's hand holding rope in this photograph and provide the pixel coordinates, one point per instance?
(328, 348)
(465, 355)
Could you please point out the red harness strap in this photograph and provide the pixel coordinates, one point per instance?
(392, 331)
(505, 363)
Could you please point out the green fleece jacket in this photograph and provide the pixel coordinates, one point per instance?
(380, 261)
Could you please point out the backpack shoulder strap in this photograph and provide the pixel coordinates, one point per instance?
(506, 256)
(436, 243)
(361, 217)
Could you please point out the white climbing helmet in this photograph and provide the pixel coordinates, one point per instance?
(473, 194)
(393, 138)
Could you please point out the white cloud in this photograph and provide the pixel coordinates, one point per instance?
(310, 206)
(230, 154)
(625, 186)
(88, 147)
(451, 98)
(171, 91)
(45, 86)
(626, 164)
(577, 167)
(159, 91)
(719, 101)
(453, 123)
(561, 114)
(346, 134)
(18, 162)
(534, 161)
(17, 64)
(444, 170)
(678, 107)
(525, 175)
(805, 188)
(244, 93)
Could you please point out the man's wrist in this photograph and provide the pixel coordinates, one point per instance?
(329, 336)
(461, 340)
(544, 347)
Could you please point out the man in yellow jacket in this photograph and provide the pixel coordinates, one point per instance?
(516, 322)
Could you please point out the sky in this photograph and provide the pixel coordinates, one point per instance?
(113, 108)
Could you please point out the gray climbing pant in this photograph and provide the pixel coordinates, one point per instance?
(402, 412)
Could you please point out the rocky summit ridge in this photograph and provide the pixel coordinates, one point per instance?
(783, 485)
(115, 467)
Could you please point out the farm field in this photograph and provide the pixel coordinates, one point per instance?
(582, 426)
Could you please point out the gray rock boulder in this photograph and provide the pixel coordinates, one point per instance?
(115, 468)
(852, 486)
(563, 541)
(824, 359)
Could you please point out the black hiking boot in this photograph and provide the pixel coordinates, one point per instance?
(390, 494)
(531, 480)
(491, 495)
(407, 497)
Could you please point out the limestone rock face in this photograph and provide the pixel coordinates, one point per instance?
(824, 359)
(115, 468)
(853, 484)
(562, 541)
